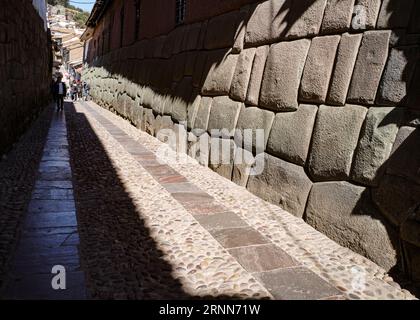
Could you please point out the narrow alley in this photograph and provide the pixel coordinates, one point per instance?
(203, 237)
(210, 150)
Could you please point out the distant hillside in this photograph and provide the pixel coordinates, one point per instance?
(80, 16)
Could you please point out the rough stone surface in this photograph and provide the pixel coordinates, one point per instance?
(369, 66)
(243, 162)
(413, 261)
(337, 16)
(199, 73)
(305, 18)
(343, 70)
(318, 68)
(410, 228)
(203, 113)
(221, 31)
(242, 74)
(224, 116)
(267, 22)
(369, 10)
(405, 156)
(243, 16)
(221, 66)
(250, 120)
(334, 141)
(291, 134)
(394, 14)
(397, 76)
(192, 110)
(283, 71)
(343, 212)
(222, 154)
(182, 99)
(414, 93)
(256, 77)
(395, 197)
(375, 145)
(281, 183)
(191, 42)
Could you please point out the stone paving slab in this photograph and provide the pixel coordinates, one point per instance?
(354, 276)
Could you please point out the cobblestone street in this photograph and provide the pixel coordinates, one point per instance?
(108, 202)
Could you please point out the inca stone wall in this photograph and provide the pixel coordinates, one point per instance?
(334, 86)
(25, 69)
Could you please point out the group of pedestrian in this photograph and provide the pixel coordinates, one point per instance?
(77, 90)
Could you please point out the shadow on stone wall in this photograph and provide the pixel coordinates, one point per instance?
(165, 78)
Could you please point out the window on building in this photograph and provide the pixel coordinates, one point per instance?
(137, 4)
(180, 8)
(121, 26)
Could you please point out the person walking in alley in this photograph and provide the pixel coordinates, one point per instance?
(60, 91)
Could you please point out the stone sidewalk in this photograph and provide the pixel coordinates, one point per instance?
(49, 235)
(219, 239)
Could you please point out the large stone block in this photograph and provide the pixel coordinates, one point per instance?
(181, 100)
(291, 134)
(267, 22)
(200, 73)
(221, 67)
(242, 74)
(283, 71)
(397, 76)
(199, 148)
(337, 16)
(396, 196)
(203, 114)
(192, 110)
(178, 38)
(405, 156)
(343, 212)
(304, 18)
(256, 77)
(343, 70)
(375, 145)
(253, 128)
(243, 16)
(221, 31)
(334, 141)
(281, 183)
(224, 115)
(369, 66)
(242, 165)
(191, 41)
(394, 14)
(366, 14)
(222, 153)
(318, 68)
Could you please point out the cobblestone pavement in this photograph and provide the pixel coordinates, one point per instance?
(150, 227)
